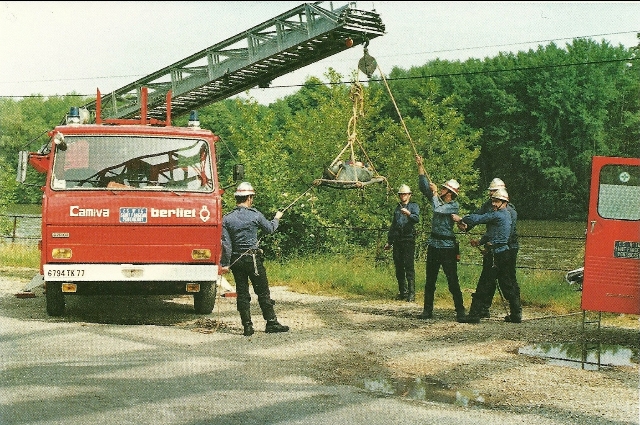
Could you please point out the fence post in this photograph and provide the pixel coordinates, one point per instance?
(15, 225)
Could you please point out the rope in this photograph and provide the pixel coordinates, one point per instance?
(398, 111)
(297, 199)
(415, 151)
(357, 97)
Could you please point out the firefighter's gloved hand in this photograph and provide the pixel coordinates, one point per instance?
(278, 215)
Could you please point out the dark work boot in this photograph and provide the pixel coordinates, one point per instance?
(515, 312)
(474, 313)
(402, 291)
(269, 314)
(485, 309)
(427, 306)
(411, 291)
(274, 327)
(245, 316)
(459, 306)
(426, 314)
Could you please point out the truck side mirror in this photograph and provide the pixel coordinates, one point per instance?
(238, 172)
(23, 161)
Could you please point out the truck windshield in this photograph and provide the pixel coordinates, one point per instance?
(132, 163)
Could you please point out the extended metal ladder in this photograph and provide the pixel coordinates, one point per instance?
(290, 41)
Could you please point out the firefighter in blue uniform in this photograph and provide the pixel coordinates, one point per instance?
(241, 254)
(487, 282)
(442, 248)
(402, 237)
(495, 241)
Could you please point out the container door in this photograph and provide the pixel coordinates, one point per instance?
(612, 252)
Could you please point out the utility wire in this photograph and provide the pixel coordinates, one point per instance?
(308, 84)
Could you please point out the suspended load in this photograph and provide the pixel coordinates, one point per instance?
(350, 172)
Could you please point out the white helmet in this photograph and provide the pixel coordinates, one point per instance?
(500, 193)
(452, 185)
(244, 189)
(496, 184)
(404, 189)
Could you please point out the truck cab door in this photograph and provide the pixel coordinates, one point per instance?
(612, 251)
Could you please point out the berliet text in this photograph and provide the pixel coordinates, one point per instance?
(178, 212)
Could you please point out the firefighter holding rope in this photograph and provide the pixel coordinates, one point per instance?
(242, 255)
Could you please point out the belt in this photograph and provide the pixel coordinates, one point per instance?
(443, 237)
(498, 245)
(249, 253)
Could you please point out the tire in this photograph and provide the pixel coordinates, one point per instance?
(205, 300)
(55, 298)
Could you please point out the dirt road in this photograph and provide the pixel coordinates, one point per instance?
(145, 359)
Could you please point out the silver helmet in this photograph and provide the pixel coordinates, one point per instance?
(500, 193)
(404, 189)
(244, 189)
(496, 184)
(452, 185)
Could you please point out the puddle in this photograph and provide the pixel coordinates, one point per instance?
(582, 356)
(423, 389)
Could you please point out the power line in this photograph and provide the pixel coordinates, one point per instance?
(512, 44)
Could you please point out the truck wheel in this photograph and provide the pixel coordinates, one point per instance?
(55, 298)
(204, 301)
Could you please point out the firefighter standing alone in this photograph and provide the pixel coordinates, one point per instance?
(402, 237)
(241, 254)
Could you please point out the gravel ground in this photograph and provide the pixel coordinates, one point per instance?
(383, 347)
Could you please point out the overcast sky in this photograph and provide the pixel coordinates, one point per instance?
(55, 48)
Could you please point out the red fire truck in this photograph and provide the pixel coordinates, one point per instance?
(132, 204)
(129, 208)
(611, 281)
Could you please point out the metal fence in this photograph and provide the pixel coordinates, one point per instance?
(25, 228)
(537, 251)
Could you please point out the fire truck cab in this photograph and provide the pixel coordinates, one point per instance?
(132, 208)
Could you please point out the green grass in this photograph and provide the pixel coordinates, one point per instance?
(19, 255)
(361, 276)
